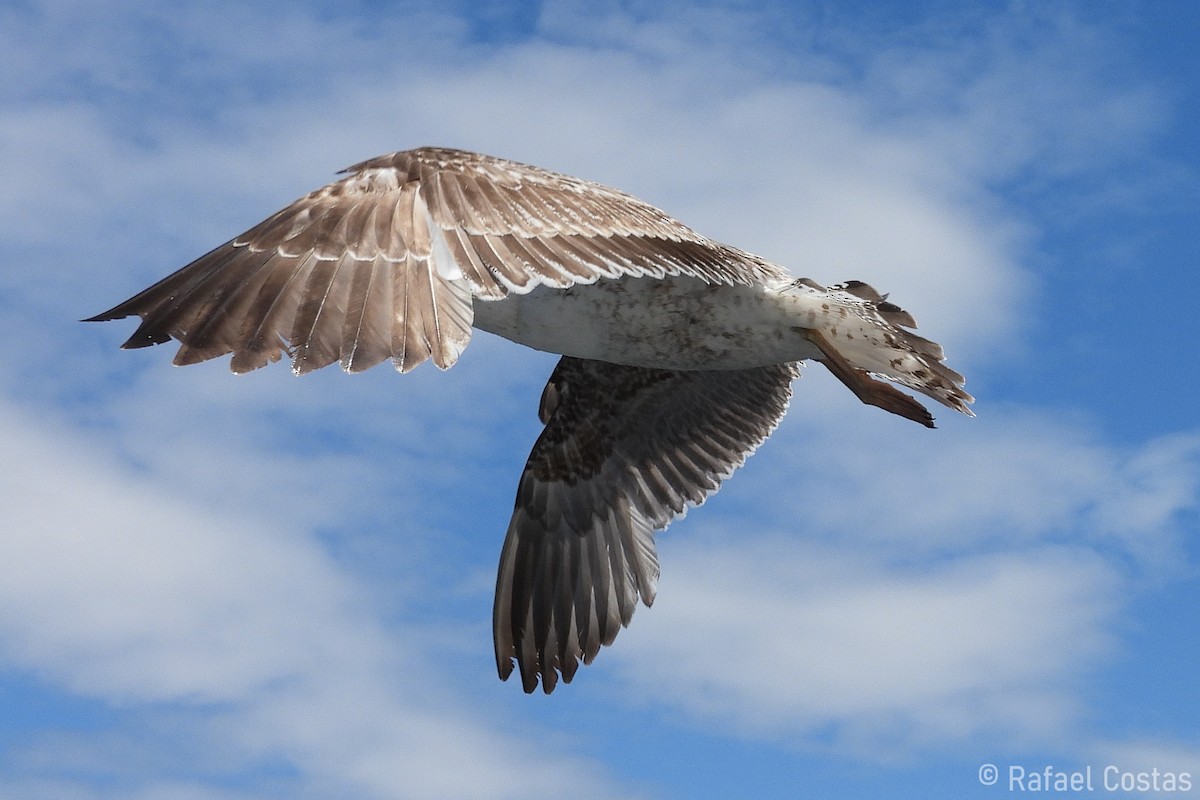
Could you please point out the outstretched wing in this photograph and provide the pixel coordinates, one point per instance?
(346, 273)
(385, 263)
(624, 451)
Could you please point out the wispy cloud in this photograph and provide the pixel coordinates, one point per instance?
(117, 588)
(292, 576)
(918, 613)
(838, 648)
(1012, 477)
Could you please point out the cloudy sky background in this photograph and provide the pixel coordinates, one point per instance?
(264, 587)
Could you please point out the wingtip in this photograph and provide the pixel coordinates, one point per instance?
(116, 312)
(541, 673)
(126, 308)
(104, 317)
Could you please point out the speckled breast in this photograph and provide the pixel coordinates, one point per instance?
(668, 323)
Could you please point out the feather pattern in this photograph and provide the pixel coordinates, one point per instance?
(314, 277)
(401, 257)
(624, 451)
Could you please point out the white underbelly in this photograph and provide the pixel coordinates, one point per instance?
(672, 323)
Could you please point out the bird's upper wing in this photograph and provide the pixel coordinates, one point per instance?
(384, 263)
(624, 450)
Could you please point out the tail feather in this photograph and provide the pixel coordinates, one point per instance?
(861, 334)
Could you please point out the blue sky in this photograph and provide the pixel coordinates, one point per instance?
(265, 587)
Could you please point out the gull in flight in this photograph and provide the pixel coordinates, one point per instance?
(678, 354)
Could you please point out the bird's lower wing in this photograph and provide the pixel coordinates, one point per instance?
(624, 451)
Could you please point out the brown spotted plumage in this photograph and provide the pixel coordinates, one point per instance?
(678, 353)
(624, 451)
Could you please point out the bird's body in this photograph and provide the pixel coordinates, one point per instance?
(678, 353)
(676, 322)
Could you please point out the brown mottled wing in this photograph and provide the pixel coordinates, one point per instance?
(385, 263)
(348, 273)
(624, 451)
(511, 227)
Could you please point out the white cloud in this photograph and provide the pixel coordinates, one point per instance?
(202, 577)
(806, 644)
(1009, 477)
(949, 587)
(115, 587)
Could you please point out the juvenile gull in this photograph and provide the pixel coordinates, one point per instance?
(678, 354)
